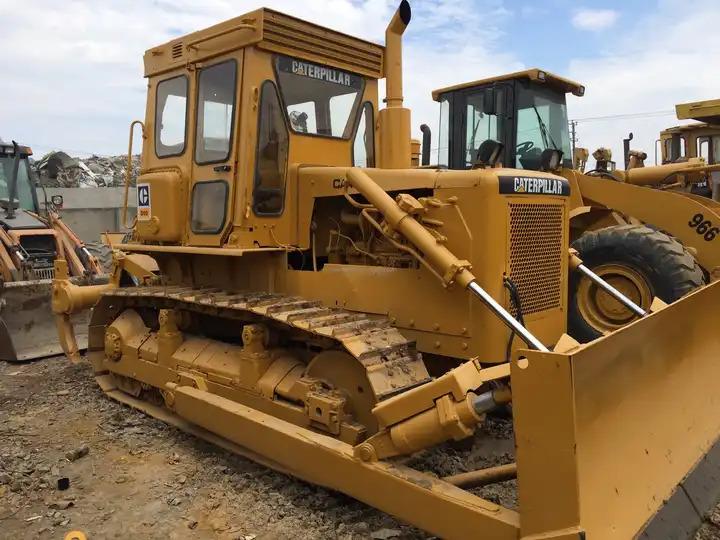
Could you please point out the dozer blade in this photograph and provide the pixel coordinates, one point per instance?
(27, 323)
(619, 438)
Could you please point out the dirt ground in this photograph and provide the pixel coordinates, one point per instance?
(143, 479)
(131, 476)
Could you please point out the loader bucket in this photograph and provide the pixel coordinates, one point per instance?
(619, 438)
(27, 323)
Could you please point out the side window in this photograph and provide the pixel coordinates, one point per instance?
(272, 155)
(703, 148)
(171, 116)
(479, 126)
(668, 152)
(364, 143)
(209, 203)
(444, 133)
(715, 149)
(215, 112)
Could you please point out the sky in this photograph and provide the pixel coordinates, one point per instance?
(71, 71)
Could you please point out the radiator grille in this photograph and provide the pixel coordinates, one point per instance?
(44, 273)
(536, 254)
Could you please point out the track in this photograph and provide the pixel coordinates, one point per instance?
(391, 361)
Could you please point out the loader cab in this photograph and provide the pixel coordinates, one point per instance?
(525, 111)
(232, 113)
(24, 195)
(680, 143)
(700, 139)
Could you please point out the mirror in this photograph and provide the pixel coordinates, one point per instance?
(489, 101)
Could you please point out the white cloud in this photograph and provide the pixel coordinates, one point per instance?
(594, 20)
(72, 71)
(647, 71)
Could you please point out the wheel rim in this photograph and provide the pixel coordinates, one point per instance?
(343, 372)
(603, 312)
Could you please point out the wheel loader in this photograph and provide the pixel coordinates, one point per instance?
(699, 140)
(648, 243)
(31, 238)
(326, 309)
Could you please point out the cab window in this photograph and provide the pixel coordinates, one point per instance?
(703, 149)
(23, 187)
(319, 100)
(171, 116)
(479, 125)
(271, 155)
(215, 112)
(444, 133)
(209, 202)
(541, 124)
(364, 143)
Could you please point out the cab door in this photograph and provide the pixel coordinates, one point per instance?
(216, 119)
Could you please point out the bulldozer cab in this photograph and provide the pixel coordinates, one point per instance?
(525, 111)
(16, 179)
(231, 108)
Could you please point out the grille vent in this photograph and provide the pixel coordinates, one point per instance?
(44, 273)
(536, 254)
(177, 50)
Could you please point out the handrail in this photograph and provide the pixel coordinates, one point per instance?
(128, 169)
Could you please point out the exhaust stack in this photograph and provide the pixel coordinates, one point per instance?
(394, 119)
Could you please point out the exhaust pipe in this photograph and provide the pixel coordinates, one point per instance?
(393, 55)
(426, 141)
(394, 119)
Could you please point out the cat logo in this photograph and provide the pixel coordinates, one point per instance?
(534, 185)
(144, 209)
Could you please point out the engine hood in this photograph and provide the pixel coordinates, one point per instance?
(22, 220)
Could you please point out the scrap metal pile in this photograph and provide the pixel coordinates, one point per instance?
(58, 169)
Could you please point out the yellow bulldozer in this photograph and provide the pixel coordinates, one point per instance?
(326, 309)
(648, 243)
(31, 238)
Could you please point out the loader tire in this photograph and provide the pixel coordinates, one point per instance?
(641, 262)
(103, 254)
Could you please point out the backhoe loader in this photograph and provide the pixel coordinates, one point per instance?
(648, 243)
(326, 309)
(30, 240)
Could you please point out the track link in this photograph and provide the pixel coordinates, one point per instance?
(392, 362)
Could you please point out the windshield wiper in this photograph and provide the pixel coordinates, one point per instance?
(544, 131)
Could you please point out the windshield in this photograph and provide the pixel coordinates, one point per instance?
(541, 123)
(23, 192)
(319, 100)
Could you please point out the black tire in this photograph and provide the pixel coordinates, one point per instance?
(669, 270)
(103, 254)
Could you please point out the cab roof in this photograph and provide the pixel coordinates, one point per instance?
(534, 74)
(704, 111)
(272, 31)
